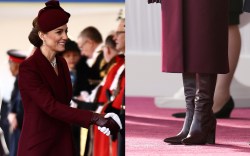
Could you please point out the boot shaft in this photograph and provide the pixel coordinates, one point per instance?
(203, 126)
(189, 84)
(205, 92)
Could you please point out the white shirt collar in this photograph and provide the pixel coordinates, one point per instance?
(91, 61)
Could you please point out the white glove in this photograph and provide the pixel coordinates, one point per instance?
(115, 117)
(73, 104)
(104, 130)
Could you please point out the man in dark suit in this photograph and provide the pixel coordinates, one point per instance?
(90, 69)
(246, 7)
(15, 115)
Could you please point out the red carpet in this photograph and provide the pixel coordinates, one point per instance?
(147, 126)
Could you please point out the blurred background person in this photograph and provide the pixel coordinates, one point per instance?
(90, 70)
(109, 51)
(72, 55)
(92, 64)
(4, 151)
(4, 123)
(15, 115)
(119, 101)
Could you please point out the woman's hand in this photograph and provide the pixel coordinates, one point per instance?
(114, 129)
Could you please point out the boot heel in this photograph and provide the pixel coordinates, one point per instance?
(211, 136)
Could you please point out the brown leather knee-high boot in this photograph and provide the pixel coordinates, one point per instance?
(203, 126)
(189, 83)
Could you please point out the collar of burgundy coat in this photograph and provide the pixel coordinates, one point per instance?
(48, 72)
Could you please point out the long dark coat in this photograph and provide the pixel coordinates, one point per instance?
(47, 116)
(194, 36)
(246, 7)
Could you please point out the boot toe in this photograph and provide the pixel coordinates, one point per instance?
(173, 140)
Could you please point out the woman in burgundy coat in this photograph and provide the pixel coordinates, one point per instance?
(46, 91)
(194, 43)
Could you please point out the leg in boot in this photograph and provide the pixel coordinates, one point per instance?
(189, 83)
(203, 126)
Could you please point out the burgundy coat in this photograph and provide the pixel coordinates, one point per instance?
(47, 116)
(194, 36)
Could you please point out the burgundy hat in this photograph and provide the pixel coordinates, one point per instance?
(52, 16)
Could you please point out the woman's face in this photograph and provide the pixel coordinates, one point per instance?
(55, 39)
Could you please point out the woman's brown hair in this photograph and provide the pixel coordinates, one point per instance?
(33, 36)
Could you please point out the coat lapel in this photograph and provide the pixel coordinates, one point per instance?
(65, 73)
(45, 68)
(47, 72)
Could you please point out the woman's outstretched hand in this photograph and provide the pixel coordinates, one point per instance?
(108, 124)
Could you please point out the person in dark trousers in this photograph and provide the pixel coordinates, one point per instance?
(4, 151)
(4, 123)
(46, 91)
(15, 114)
(195, 43)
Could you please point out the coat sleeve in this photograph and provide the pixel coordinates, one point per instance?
(154, 1)
(246, 7)
(35, 92)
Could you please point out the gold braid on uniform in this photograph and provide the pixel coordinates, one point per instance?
(102, 69)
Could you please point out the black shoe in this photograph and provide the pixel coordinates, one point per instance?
(179, 115)
(226, 109)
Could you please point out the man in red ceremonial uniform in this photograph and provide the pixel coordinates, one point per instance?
(115, 84)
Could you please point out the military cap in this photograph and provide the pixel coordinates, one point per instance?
(16, 56)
